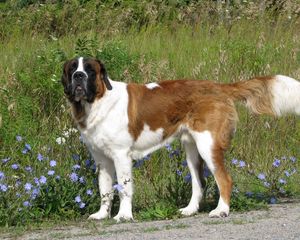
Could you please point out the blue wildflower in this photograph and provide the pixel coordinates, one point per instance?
(5, 160)
(52, 163)
(118, 187)
(88, 162)
(15, 166)
(249, 194)
(57, 177)
(293, 171)
(206, 172)
(18, 138)
(234, 161)
(184, 163)
(188, 178)
(2, 175)
(26, 204)
(28, 169)
(168, 147)
(174, 153)
(282, 181)
(242, 164)
(27, 146)
(276, 163)
(35, 193)
(261, 176)
(36, 180)
(18, 195)
(18, 183)
(76, 167)
(93, 167)
(40, 157)
(25, 150)
(3, 188)
(27, 186)
(51, 172)
(77, 199)
(89, 192)
(82, 205)
(76, 157)
(293, 159)
(178, 172)
(74, 177)
(43, 180)
(273, 200)
(81, 180)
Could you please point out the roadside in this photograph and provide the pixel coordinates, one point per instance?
(281, 221)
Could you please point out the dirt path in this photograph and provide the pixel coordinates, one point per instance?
(281, 221)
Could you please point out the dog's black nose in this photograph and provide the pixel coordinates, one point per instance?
(79, 76)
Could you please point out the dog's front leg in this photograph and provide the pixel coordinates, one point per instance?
(123, 166)
(105, 179)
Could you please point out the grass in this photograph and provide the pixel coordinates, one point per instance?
(33, 106)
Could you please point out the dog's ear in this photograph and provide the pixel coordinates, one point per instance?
(64, 78)
(104, 75)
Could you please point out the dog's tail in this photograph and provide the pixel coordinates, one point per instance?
(277, 95)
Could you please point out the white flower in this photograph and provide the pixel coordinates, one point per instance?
(60, 140)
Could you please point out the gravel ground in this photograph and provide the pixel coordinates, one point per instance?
(281, 221)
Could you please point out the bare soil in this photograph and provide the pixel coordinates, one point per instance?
(280, 221)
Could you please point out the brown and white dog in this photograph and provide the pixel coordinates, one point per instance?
(120, 122)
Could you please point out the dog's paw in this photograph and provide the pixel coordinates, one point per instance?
(188, 211)
(219, 213)
(99, 215)
(123, 217)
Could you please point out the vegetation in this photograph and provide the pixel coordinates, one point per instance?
(45, 170)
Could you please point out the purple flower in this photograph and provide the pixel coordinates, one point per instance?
(57, 177)
(77, 199)
(5, 160)
(273, 200)
(249, 194)
(76, 157)
(36, 180)
(52, 163)
(206, 172)
(282, 181)
(242, 164)
(261, 176)
(25, 150)
(174, 153)
(81, 180)
(35, 193)
(184, 163)
(188, 178)
(89, 192)
(15, 166)
(2, 175)
(3, 188)
(18, 138)
(26, 204)
(293, 159)
(234, 161)
(51, 172)
(168, 147)
(27, 146)
(82, 205)
(118, 187)
(43, 180)
(178, 172)
(76, 167)
(87, 162)
(27, 186)
(18, 183)
(74, 177)
(287, 173)
(28, 169)
(276, 163)
(40, 157)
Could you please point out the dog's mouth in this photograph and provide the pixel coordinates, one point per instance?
(79, 93)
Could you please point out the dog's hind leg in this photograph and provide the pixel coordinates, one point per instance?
(195, 164)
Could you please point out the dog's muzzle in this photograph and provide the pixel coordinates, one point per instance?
(79, 80)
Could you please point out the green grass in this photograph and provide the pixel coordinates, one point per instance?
(33, 105)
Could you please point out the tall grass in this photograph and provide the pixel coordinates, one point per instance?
(33, 106)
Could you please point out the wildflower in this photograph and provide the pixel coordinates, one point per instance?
(35, 193)
(15, 166)
(87, 162)
(178, 172)
(206, 172)
(57, 177)
(27, 146)
(43, 180)
(28, 169)
(266, 184)
(18, 195)
(36, 180)
(77, 199)
(273, 200)
(2, 175)
(184, 163)
(118, 187)
(242, 164)
(27, 186)
(60, 140)
(94, 167)
(51, 172)
(282, 181)
(89, 192)
(82, 205)
(168, 147)
(293, 171)
(249, 194)
(81, 180)
(18, 138)
(5, 160)
(18, 183)
(188, 178)
(261, 176)
(293, 159)
(138, 163)
(40, 157)
(74, 177)
(76, 157)
(276, 163)
(25, 150)
(52, 163)
(234, 161)
(3, 188)
(26, 204)
(174, 153)
(76, 167)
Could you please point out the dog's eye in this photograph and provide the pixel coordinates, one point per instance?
(73, 66)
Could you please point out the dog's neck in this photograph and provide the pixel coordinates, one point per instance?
(80, 112)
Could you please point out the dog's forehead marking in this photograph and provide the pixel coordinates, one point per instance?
(80, 65)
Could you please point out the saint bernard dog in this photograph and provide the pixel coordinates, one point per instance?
(121, 121)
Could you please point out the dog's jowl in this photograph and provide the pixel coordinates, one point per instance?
(120, 122)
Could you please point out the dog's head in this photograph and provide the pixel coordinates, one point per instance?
(84, 79)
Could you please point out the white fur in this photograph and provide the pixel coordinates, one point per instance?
(286, 95)
(80, 67)
(222, 209)
(152, 85)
